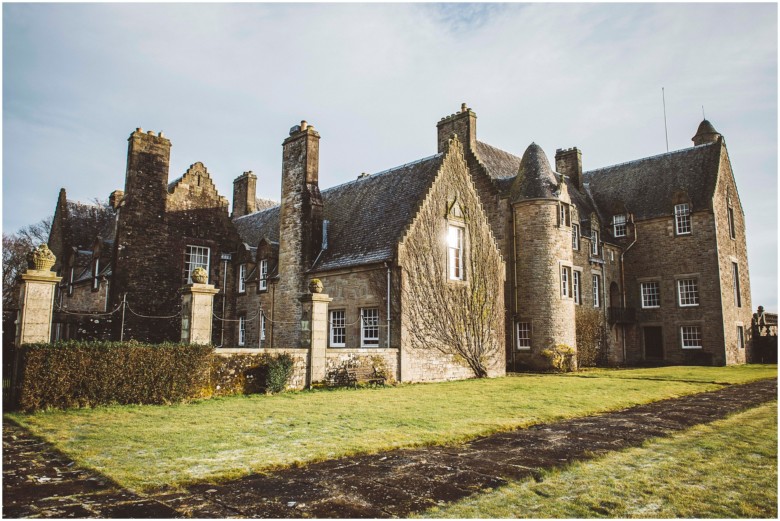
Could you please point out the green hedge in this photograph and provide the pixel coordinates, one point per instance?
(86, 374)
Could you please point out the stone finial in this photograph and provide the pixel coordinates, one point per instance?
(41, 258)
(315, 286)
(199, 275)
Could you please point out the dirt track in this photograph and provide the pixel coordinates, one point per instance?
(39, 481)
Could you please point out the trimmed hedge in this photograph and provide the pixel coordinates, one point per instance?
(87, 374)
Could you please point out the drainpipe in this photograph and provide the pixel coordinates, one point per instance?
(514, 290)
(623, 281)
(225, 258)
(387, 264)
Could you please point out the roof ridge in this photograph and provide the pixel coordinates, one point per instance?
(688, 149)
(384, 172)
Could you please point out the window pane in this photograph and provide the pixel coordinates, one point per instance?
(338, 330)
(196, 257)
(575, 236)
(619, 225)
(596, 291)
(682, 218)
(263, 284)
(688, 291)
(651, 295)
(455, 249)
(576, 287)
(691, 337)
(369, 327)
(524, 335)
(241, 331)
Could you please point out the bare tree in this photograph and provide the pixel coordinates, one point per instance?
(463, 318)
(16, 246)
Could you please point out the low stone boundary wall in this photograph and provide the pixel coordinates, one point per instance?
(238, 370)
(365, 360)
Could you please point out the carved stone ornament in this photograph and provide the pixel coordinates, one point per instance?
(41, 258)
(315, 286)
(199, 275)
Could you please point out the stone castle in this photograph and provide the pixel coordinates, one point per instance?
(641, 262)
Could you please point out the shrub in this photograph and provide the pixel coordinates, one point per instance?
(561, 357)
(590, 338)
(280, 369)
(87, 374)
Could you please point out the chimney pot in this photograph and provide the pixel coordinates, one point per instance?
(304, 125)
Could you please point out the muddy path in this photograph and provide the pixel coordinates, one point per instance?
(390, 484)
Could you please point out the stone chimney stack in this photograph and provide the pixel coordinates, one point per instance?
(569, 163)
(244, 194)
(463, 123)
(148, 161)
(300, 222)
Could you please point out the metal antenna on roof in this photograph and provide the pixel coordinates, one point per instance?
(702, 113)
(666, 132)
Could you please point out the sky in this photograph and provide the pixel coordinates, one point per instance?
(225, 82)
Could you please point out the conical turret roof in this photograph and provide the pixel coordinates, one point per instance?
(535, 179)
(706, 133)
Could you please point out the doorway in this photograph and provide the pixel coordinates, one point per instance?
(654, 342)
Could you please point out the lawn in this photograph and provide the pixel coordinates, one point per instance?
(665, 478)
(145, 447)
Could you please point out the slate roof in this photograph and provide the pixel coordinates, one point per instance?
(366, 216)
(647, 186)
(535, 178)
(501, 166)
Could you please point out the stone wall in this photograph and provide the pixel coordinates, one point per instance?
(660, 255)
(543, 249)
(237, 370)
(365, 359)
(422, 256)
(732, 250)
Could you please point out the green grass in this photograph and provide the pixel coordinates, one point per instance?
(726, 469)
(143, 447)
(736, 374)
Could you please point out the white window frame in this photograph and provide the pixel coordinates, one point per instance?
(575, 237)
(596, 290)
(619, 225)
(455, 249)
(737, 291)
(688, 292)
(564, 215)
(194, 259)
(647, 296)
(262, 284)
(338, 327)
(594, 243)
(369, 327)
(523, 335)
(70, 281)
(566, 290)
(95, 279)
(242, 278)
(242, 330)
(262, 326)
(740, 337)
(691, 337)
(682, 219)
(576, 286)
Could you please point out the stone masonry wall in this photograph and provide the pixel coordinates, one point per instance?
(424, 363)
(543, 247)
(660, 255)
(731, 251)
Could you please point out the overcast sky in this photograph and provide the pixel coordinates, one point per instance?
(226, 82)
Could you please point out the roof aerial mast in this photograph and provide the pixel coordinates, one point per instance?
(666, 132)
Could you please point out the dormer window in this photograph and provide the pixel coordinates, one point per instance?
(619, 225)
(263, 277)
(242, 278)
(682, 219)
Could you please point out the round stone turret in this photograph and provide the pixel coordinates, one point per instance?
(706, 133)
